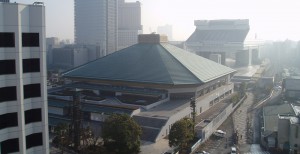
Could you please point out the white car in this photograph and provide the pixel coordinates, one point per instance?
(233, 150)
(220, 133)
(202, 152)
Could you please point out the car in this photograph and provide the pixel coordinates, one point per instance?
(202, 152)
(219, 133)
(233, 150)
(206, 120)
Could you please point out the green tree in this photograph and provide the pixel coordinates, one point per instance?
(62, 138)
(181, 134)
(121, 134)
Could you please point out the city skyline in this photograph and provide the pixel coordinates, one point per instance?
(274, 21)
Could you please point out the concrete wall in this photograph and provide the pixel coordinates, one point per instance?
(283, 132)
(295, 137)
(209, 129)
(202, 103)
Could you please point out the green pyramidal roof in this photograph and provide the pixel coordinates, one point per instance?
(156, 63)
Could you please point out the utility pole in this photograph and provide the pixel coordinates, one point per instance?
(193, 108)
(76, 119)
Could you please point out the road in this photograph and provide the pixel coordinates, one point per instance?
(246, 120)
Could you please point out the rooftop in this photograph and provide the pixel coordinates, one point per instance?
(152, 62)
(220, 31)
(271, 113)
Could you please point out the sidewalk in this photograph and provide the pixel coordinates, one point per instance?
(240, 119)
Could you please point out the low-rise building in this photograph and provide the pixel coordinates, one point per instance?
(281, 128)
(288, 131)
(291, 87)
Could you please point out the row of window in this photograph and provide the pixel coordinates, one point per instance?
(7, 39)
(10, 93)
(31, 116)
(29, 65)
(12, 145)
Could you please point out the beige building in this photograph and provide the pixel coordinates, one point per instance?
(289, 131)
(281, 128)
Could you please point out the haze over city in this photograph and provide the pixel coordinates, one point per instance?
(269, 20)
(149, 76)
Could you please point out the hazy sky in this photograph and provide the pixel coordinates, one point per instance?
(269, 19)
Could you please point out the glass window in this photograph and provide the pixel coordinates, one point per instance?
(8, 94)
(33, 115)
(7, 39)
(30, 40)
(7, 67)
(34, 140)
(31, 65)
(8, 120)
(9, 146)
(32, 90)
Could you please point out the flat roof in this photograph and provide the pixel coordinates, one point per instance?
(95, 108)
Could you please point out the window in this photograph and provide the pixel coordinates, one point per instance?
(7, 39)
(7, 67)
(32, 90)
(8, 94)
(34, 140)
(30, 40)
(8, 120)
(31, 65)
(33, 115)
(9, 146)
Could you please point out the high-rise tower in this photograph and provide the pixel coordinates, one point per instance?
(96, 23)
(23, 93)
(129, 23)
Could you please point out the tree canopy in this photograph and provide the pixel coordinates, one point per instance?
(181, 134)
(121, 134)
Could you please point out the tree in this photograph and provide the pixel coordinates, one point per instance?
(62, 137)
(181, 134)
(121, 134)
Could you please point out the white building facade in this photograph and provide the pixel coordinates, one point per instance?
(96, 23)
(23, 94)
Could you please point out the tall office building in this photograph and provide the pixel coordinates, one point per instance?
(166, 30)
(23, 94)
(129, 23)
(96, 23)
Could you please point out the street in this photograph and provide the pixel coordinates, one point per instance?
(246, 123)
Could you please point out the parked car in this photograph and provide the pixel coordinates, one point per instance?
(202, 152)
(233, 150)
(219, 133)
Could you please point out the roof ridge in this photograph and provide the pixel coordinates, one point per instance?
(189, 67)
(77, 67)
(178, 61)
(165, 66)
